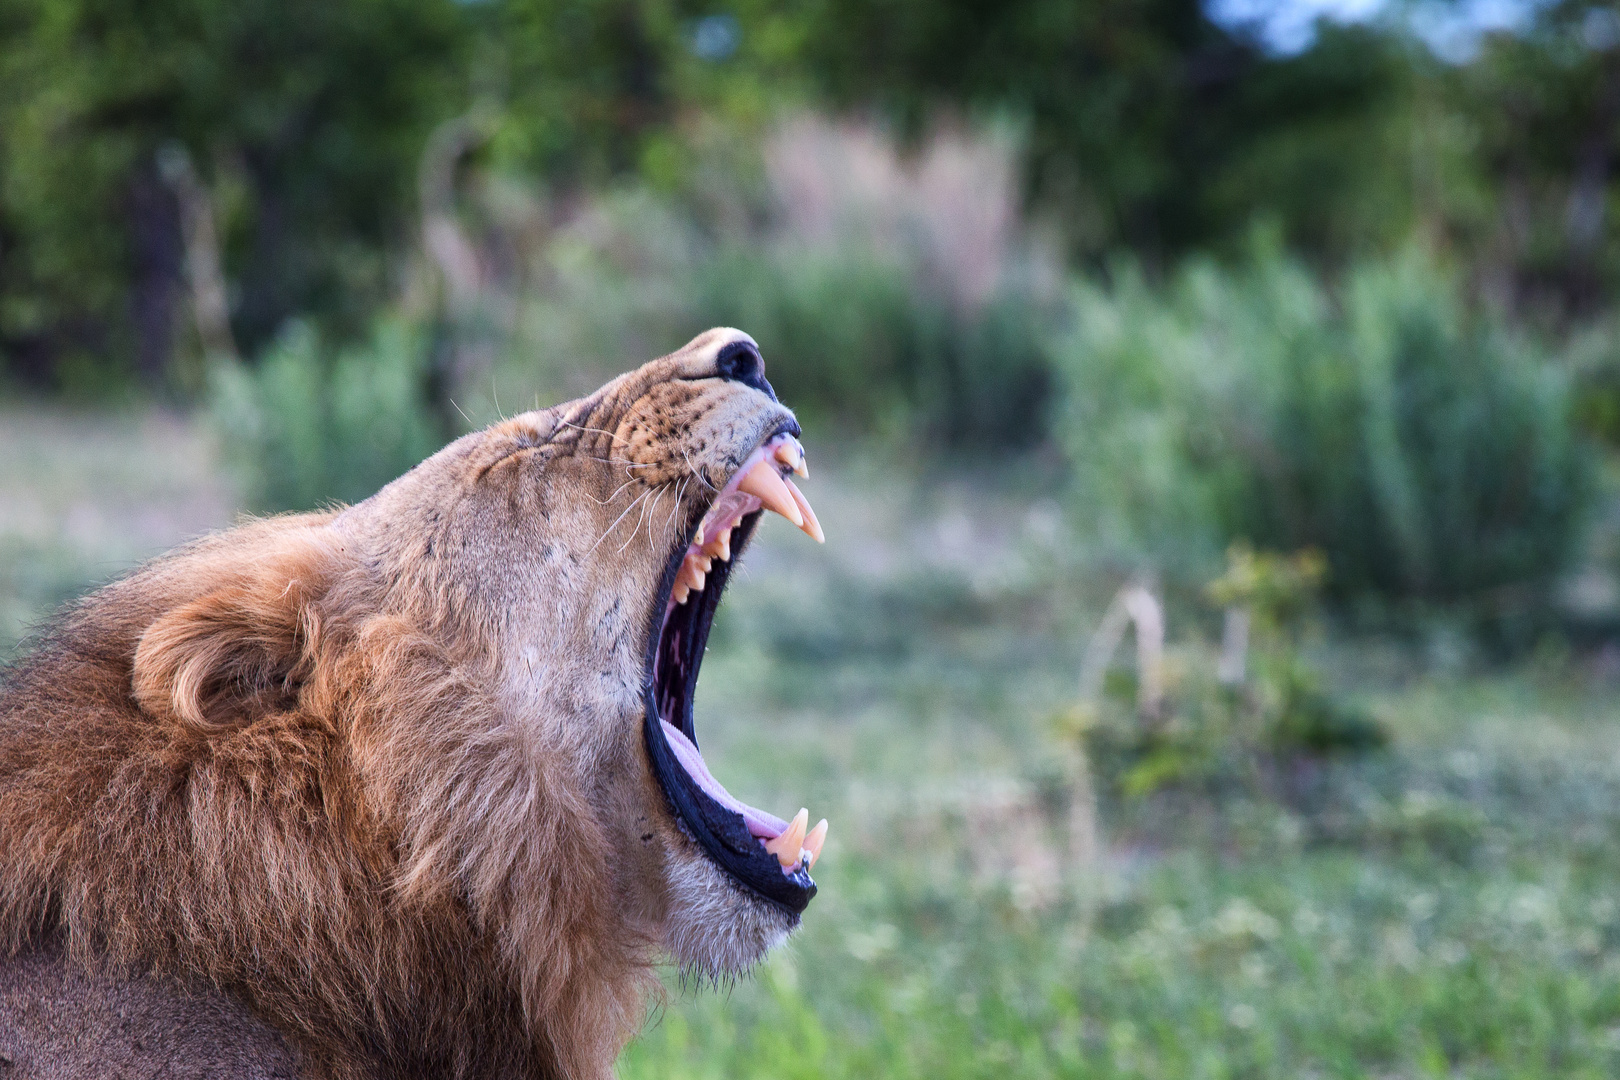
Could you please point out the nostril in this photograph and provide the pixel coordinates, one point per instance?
(741, 362)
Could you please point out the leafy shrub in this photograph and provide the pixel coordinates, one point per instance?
(1422, 448)
(1239, 721)
(1272, 598)
(302, 428)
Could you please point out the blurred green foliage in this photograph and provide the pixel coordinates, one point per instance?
(1427, 450)
(307, 118)
(1146, 126)
(1408, 415)
(1240, 722)
(860, 345)
(1149, 126)
(1275, 598)
(309, 425)
(1423, 447)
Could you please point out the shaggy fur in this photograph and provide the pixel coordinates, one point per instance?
(377, 774)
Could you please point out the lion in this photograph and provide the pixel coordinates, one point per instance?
(407, 788)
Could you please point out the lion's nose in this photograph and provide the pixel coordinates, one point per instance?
(740, 362)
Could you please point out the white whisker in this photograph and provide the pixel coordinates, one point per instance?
(615, 495)
(598, 431)
(697, 474)
(678, 497)
(639, 518)
(616, 521)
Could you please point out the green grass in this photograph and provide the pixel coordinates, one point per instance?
(1448, 908)
(1327, 964)
(1450, 912)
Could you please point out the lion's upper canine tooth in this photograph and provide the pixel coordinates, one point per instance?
(811, 526)
(813, 842)
(765, 484)
(786, 846)
(791, 454)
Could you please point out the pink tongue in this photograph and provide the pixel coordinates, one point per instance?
(759, 822)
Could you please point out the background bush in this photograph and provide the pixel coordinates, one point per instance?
(306, 427)
(1427, 451)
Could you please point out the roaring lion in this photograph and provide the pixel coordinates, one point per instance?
(409, 788)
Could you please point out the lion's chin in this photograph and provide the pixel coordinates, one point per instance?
(717, 926)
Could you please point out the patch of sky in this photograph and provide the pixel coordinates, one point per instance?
(714, 37)
(1452, 29)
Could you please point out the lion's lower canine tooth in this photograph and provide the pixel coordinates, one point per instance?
(768, 487)
(811, 526)
(813, 842)
(786, 847)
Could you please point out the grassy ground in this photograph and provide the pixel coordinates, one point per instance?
(85, 496)
(1448, 908)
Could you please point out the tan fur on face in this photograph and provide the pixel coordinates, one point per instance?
(378, 773)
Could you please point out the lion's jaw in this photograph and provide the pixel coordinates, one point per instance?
(557, 541)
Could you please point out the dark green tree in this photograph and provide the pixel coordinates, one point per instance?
(1149, 126)
(306, 117)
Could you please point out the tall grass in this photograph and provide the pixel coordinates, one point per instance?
(1423, 447)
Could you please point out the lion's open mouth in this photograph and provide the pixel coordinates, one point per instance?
(771, 856)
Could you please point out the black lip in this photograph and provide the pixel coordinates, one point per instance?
(722, 833)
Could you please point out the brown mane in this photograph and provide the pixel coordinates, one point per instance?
(169, 827)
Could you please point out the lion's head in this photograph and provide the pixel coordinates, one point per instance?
(592, 541)
(417, 779)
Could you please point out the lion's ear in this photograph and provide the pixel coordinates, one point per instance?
(245, 643)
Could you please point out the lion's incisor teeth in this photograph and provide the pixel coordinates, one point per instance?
(704, 563)
(791, 454)
(786, 847)
(811, 526)
(813, 842)
(764, 483)
(681, 591)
